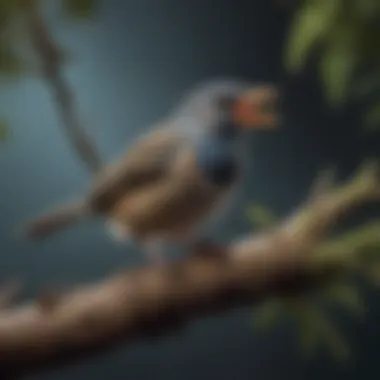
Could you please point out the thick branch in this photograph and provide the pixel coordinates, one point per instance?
(149, 301)
(51, 59)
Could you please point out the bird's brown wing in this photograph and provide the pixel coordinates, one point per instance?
(171, 208)
(148, 160)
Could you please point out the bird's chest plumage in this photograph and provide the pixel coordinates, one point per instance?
(216, 161)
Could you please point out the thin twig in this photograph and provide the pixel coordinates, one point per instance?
(50, 55)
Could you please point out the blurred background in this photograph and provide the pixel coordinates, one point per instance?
(128, 65)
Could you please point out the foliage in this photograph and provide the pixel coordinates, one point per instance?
(315, 328)
(343, 38)
(308, 312)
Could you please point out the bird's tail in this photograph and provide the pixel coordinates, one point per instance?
(58, 219)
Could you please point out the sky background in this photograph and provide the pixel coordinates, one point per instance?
(129, 68)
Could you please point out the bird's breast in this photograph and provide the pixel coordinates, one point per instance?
(216, 162)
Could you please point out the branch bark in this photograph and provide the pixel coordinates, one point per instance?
(148, 302)
(50, 56)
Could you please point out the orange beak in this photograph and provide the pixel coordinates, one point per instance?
(257, 108)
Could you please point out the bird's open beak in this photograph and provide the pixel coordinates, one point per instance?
(256, 108)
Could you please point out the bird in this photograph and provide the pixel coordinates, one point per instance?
(174, 179)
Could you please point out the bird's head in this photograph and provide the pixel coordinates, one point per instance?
(254, 107)
(229, 107)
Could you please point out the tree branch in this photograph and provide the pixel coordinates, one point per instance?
(50, 56)
(148, 302)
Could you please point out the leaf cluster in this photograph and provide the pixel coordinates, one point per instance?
(342, 38)
(356, 252)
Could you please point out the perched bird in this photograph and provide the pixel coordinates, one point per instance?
(170, 183)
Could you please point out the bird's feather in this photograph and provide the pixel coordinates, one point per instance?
(148, 161)
(172, 207)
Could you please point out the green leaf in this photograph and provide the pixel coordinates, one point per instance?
(311, 25)
(372, 117)
(308, 338)
(315, 329)
(347, 296)
(313, 325)
(337, 66)
(267, 315)
(331, 337)
(308, 334)
(260, 216)
(79, 9)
